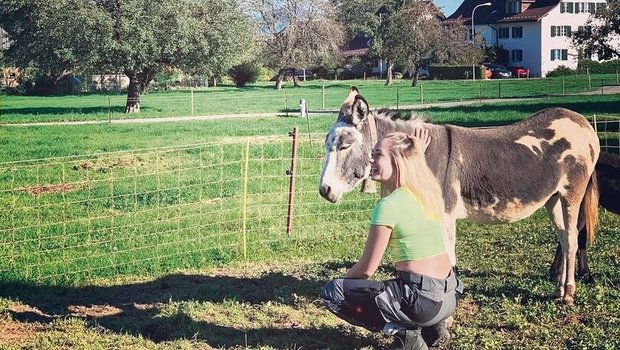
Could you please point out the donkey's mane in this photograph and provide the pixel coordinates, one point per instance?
(397, 116)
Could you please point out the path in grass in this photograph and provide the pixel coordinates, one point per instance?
(607, 90)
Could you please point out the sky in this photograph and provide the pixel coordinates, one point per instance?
(448, 6)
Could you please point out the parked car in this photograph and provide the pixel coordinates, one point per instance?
(498, 71)
(519, 72)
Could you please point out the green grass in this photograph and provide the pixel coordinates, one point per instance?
(262, 98)
(144, 250)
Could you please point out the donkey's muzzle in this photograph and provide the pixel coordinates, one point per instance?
(326, 192)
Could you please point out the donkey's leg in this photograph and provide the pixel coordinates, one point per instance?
(556, 214)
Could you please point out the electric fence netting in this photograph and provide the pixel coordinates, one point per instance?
(73, 219)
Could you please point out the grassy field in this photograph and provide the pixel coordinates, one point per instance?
(262, 98)
(130, 236)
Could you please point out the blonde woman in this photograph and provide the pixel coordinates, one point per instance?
(407, 223)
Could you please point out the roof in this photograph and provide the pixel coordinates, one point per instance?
(496, 13)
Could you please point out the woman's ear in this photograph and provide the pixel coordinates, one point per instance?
(360, 110)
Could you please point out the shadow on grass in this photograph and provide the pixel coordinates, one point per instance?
(136, 309)
(63, 110)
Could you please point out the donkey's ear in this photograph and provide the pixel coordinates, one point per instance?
(360, 110)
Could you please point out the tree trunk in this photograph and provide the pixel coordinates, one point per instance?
(214, 81)
(133, 95)
(388, 79)
(414, 76)
(280, 79)
(295, 80)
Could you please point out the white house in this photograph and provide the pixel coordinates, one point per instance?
(536, 33)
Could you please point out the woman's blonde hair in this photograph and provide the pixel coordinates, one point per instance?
(413, 173)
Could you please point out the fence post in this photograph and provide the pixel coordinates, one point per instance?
(589, 78)
(285, 103)
(109, 110)
(421, 94)
(191, 100)
(397, 97)
(563, 87)
(323, 96)
(245, 200)
(291, 183)
(499, 89)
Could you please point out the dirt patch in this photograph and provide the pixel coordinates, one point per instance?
(47, 189)
(12, 332)
(93, 310)
(103, 165)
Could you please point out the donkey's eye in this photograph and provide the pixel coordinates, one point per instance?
(344, 146)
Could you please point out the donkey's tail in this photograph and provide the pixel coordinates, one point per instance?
(590, 207)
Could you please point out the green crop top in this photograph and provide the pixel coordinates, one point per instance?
(415, 235)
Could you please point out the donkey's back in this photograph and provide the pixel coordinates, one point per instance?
(506, 173)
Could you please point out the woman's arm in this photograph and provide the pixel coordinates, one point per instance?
(377, 242)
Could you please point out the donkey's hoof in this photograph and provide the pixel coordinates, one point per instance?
(568, 301)
(558, 294)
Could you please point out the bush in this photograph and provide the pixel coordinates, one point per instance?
(595, 67)
(561, 71)
(245, 73)
(266, 74)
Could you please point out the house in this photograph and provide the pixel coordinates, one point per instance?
(536, 33)
(360, 45)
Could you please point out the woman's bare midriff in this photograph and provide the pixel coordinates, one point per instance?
(437, 266)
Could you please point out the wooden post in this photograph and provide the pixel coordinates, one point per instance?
(365, 76)
(589, 78)
(397, 97)
(323, 96)
(291, 184)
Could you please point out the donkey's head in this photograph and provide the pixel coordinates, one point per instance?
(347, 148)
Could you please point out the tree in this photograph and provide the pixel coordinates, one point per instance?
(136, 37)
(200, 36)
(601, 34)
(296, 33)
(414, 35)
(51, 39)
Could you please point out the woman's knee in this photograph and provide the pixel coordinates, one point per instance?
(333, 291)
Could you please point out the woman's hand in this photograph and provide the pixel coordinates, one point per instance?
(420, 139)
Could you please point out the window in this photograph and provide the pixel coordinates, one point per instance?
(560, 31)
(517, 32)
(504, 33)
(580, 7)
(559, 55)
(564, 31)
(517, 55)
(513, 6)
(591, 7)
(566, 7)
(585, 29)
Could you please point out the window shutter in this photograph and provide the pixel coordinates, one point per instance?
(552, 56)
(564, 55)
(552, 31)
(562, 7)
(568, 30)
(569, 7)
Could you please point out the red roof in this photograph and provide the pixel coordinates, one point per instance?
(496, 13)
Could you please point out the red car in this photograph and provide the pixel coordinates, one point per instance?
(520, 72)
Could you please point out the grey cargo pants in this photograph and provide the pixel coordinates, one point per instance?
(410, 300)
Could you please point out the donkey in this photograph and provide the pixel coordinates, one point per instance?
(496, 175)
